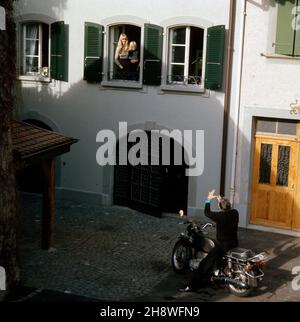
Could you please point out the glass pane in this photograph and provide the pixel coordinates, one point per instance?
(266, 126)
(283, 165)
(32, 31)
(179, 36)
(177, 73)
(265, 164)
(32, 64)
(287, 128)
(178, 54)
(32, 47)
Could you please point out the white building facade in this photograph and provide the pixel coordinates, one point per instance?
(69, 83)
(267, 190)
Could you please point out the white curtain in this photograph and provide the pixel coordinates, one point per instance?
(32, 47)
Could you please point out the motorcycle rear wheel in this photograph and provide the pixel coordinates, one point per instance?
(180, 257)
(239, 291)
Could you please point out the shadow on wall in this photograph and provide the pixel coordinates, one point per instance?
(84, 106)
(54, 8)
(82, 109)
(266, 4)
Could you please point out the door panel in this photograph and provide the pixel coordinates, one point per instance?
(274, 181)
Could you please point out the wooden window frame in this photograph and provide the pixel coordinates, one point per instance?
(187, 46)
(38, 76)
(110, 51)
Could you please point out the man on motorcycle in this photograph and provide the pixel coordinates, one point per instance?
(226, 220)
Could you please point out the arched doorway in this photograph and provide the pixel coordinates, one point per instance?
(152, 189)
(30, 179)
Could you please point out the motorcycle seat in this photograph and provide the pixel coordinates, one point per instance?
(240, 253)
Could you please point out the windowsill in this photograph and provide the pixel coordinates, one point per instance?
(277, 56)
(183, 88)
(37, 78)
(122, 84)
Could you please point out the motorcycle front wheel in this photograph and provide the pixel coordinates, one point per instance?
(180, 257)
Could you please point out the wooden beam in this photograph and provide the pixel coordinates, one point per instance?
(48, 215)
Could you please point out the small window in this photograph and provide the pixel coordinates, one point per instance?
(43, 51)
(185, 59)
(265, 164)
(279, 127)
(35, 49)
(283, 166)
(124, 53)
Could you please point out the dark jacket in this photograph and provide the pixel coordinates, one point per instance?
(227, 226)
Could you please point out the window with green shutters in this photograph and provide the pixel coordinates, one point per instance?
(93, 52)
(183, 66)
(186, 59)
(288, 32)
(44, 51)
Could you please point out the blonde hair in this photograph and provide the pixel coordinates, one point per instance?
(132, 44)
(121, 48)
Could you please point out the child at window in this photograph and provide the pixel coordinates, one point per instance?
(133, 58)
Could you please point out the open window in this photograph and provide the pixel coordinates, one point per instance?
(129, 61)
(195, 58)
(188, 65)
(43, 50)
(35, 49)
(185, 56)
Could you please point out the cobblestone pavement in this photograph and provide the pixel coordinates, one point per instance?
(118, 254)
(111, 253)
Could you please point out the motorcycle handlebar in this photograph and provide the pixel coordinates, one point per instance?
(187, 222)
(207, 225)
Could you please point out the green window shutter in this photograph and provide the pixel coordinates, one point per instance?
(153, 39)
(215, 48)
(93, 52)
(297, 38)
(58, 51)
(285, 33)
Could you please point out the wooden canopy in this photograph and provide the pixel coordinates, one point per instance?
(32, 145)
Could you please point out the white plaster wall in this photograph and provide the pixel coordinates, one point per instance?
(267, 82)
(80, 110)
(269, 86)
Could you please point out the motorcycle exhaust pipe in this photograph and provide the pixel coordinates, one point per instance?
(231, 281)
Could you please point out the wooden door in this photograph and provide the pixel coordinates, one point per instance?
(274, 181)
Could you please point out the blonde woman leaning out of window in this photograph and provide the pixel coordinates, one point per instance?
(121, 57)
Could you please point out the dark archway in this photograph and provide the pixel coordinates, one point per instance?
(30, 179)
(152, 189)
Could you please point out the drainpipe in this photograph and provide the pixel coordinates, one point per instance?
(228, 78)
(238, 101)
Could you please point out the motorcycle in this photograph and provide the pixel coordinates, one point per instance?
(240, 270)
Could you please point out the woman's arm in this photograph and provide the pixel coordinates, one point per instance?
(117, 58)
